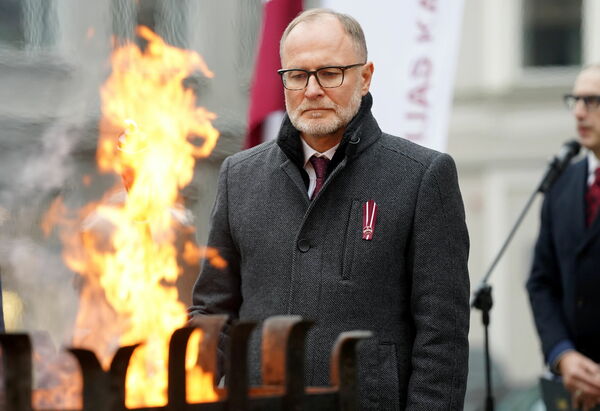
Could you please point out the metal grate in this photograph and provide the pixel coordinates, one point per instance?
(283, 370)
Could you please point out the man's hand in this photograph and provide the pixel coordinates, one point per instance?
(581, 377)
(584, 402)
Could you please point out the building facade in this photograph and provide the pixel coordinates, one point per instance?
(517, 58)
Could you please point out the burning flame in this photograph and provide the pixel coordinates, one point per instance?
(125, 247)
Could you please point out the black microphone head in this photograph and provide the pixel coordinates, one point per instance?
(573, 146)
(568, 150)
(559, 163)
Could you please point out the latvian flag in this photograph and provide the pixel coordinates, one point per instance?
(266, 93)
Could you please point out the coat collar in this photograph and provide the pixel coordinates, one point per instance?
(576, 194)
(361, 132)
(576, 190)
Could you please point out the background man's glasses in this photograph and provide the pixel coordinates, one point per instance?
(590, 102)
(327, 77)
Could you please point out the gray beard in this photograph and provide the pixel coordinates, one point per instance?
(319, 128)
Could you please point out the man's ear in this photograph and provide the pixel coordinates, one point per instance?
(367, 75)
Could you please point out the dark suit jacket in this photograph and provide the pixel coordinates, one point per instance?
(290, 255)
(564, 284)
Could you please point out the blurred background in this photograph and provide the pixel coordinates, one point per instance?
(516, 60)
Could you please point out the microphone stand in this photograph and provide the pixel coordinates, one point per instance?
(482, 297)
(483, 301)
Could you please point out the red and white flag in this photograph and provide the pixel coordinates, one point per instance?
(414, 45)
(266, 93)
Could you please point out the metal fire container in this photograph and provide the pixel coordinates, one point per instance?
(283, 340)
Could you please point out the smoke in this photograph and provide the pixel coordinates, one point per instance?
(31, 264)
(47, 288)
(47, 170)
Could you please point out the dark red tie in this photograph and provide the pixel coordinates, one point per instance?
(320, 165)
(592, 199)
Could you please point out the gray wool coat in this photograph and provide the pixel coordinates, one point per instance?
(287, 254)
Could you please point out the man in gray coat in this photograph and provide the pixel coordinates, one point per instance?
(343, 224)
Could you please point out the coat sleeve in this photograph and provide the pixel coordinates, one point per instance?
(438, 256)
(544, 287)
(1, 310)
(217, 289)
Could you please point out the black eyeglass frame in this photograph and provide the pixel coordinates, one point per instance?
(309, 73)
(591, 102)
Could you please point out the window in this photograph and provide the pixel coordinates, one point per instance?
(552, 33)
(167, 18)
(147, 13)
(12, 33)
(27, 23)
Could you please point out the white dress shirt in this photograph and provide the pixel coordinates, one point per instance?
(308, 167)
(593, 164)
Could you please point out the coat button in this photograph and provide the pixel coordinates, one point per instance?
(580, 303)
(303, 245)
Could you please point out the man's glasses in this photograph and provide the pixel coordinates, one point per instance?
(590, 102)
(327, 77)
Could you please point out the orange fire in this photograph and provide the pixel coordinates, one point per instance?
(124, 245)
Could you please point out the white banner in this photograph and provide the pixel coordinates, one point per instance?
(414, 46)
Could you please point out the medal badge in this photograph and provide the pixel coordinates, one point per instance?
(369, 219)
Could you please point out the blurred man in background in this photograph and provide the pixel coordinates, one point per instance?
(564, 284)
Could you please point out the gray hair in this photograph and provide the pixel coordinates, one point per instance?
(349, 23)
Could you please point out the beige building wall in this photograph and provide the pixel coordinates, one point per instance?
(507, 122)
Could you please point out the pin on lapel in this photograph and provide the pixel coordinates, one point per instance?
(369, 219)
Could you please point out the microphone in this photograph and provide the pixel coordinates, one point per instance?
(558, 164)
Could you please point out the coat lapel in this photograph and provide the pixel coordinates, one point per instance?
(578, 197)
(591, 232)
(590, 235)
(293, 173)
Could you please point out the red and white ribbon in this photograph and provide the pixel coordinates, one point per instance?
(369, 219)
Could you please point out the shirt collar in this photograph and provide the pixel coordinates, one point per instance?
(593, 162)
(309, 151)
